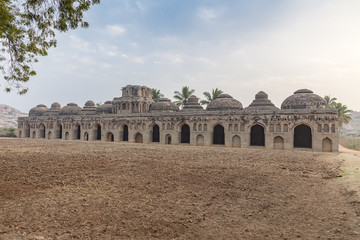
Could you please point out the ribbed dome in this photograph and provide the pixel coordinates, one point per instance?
(261, 102)
(89, 104)
(54, 110)
(105, 108)
(163, 105)
(70, 109)
(39, 110)
(224, 102)
(192, 104)
(303, 99)
(89, 108)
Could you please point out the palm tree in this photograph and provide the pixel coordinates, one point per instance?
(330, 102)
(182, 96)
(156, 95)
(344, 114)
(211, 97)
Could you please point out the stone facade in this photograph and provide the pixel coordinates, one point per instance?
(303, 122)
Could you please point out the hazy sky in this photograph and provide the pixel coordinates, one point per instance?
(240, 47)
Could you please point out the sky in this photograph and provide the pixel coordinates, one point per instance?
(239, 46)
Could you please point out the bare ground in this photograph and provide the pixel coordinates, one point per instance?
(93, 190)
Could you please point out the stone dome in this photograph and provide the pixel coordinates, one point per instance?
(224, 102)
(262, 102)
(163, 105)
(89, 108)
(303, 99)
(54, 110)
(192, 104)
(105, 108)
(39, 110)
(89, 104)
(70, 109)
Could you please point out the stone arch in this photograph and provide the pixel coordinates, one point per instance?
(286, 128)
(218, 134)
(155, 133)
(138, 138)
(278, 127)
(49, 135)
(236, 127)
(326, 128)
(42, 130)
(319, 128)
(27, 130)
(230, 127)
(124, 132)
(200, 140)
(110, 137)
(279, 142)
(302, 136)
(257, 135)
(97, 132)
(58, 131)
(326, 145)
(168, 139)
(67, 136)
(185, 134)
(236, 141)
(77, 132)
(20, 134)
(34, 134)
(86, 136)
(333, 128)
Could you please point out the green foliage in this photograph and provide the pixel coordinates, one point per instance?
(98, 104)
(27, 30)
(351, 143)
(211, 97)
(182, 96)
(344, 113)
(156, 95)
(8, 132)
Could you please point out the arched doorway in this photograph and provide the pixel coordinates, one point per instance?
(67, 136)
(156, 133)
(125, 133)
(168, 139)
(42, 131)
(58, 131)
(138, 138)
(326, 145)
(110, 137)
(257, 137)
(219, 135)
(199, 140)
(34, 134)
(27, 130)
(86, 136)
(97, 132)
(77, 132)
(302, 136)
(185, 134)
(278, 143)
(49, 135)
(236, 141)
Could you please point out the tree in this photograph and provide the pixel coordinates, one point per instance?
(211, 97)
(344, 114)
(27, 30)
(330, 101)
(98, 104)
(156, 95)
(182, 96)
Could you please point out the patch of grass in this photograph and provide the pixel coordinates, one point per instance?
(7, 132)
(351, 143)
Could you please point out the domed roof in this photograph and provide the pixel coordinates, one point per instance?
(70, 109)
(89, 108)
(105, 108)
(89, 104)
(303, 99)
(163, 105)
(39, 110)
(54, 110)
(192, 104)
(261, 102)
(224, 102)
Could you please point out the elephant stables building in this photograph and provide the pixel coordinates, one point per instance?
(303, 122)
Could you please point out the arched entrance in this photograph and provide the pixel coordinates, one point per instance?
(278, 143)
(138, 138)
(86, 136)
(77, 132)
(257, 137)
(58, 131)
(34, 134)
(156, 133)
(27, 130)
(185, 134)
(219, 135)
(110, 137)
(67, 136)
(302, 136)
(326, 145)
(97, 132)
(125, 133)
(199, 140)
(42, 131)
(168, 139)
(236, 141)
(49, 135)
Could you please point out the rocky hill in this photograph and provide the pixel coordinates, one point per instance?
(9, 116)
(353, 128)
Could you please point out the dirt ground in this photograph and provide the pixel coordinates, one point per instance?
(92, 190)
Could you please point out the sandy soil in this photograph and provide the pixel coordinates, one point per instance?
(93, 190)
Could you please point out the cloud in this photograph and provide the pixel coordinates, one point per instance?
(138, 60)
(206, 13)
(115, 30)
(81, 44)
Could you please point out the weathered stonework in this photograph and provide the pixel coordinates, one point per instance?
(303, 122)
